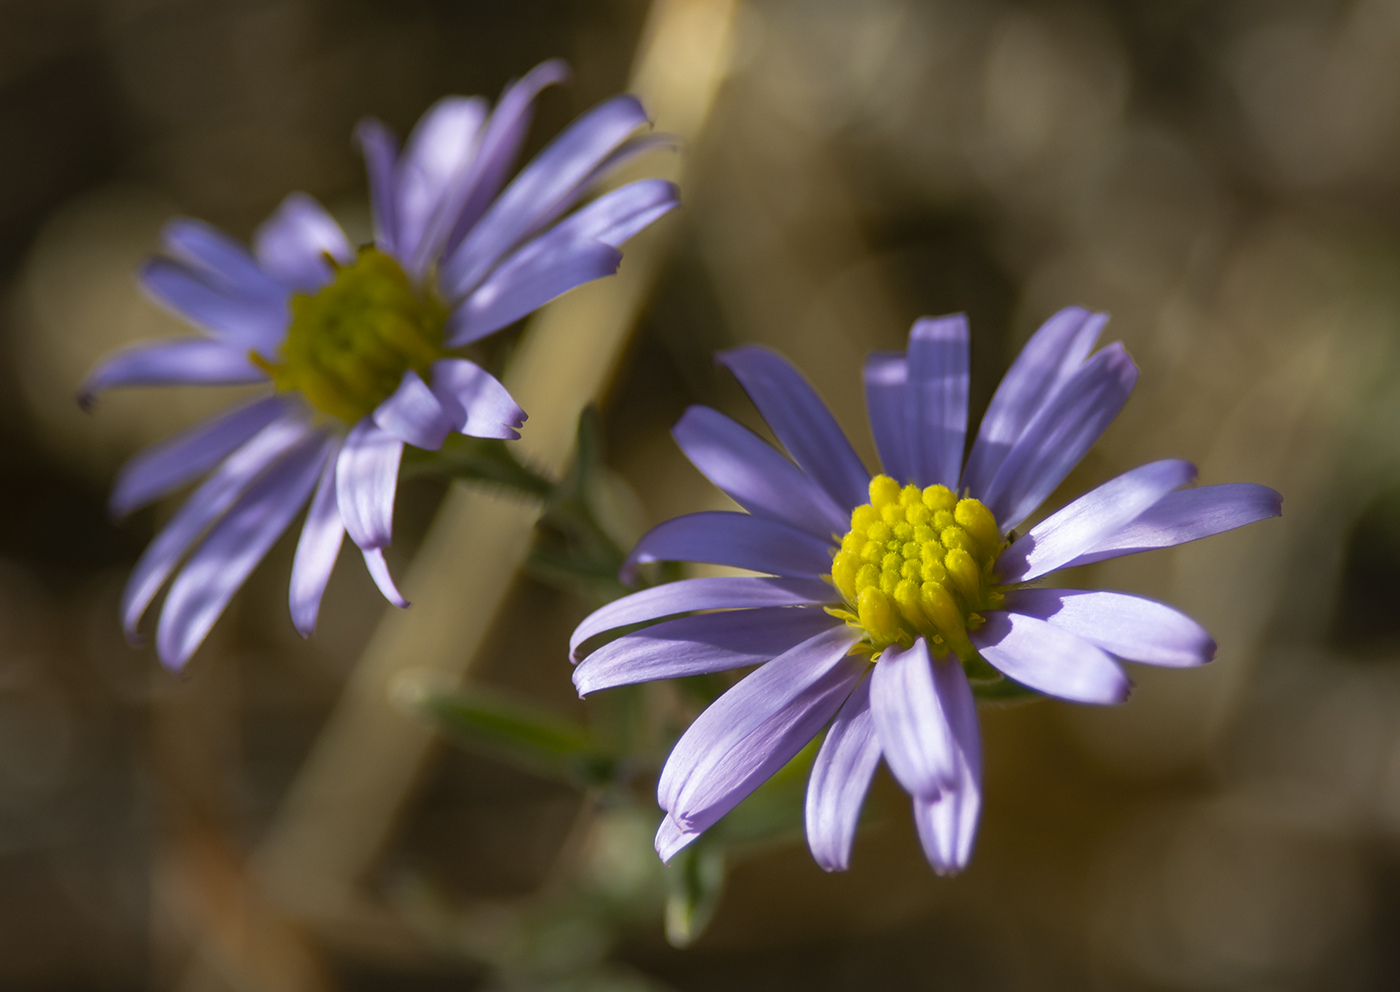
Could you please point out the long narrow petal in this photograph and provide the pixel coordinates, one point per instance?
(737, 539)
(616, 216)
(468, 196)
(1064, 429)
(1129, 626)
(935, 399)
(526, 283)
(220, 566)
(1080, 525)
(440, 148)
(757, 727)
(205, 505)
(711, 642)
(840, 779)
(1052, 355)
(242, 322)
(414, 415)
(1050, 659)
(223, 258)
(366, 478)
(317, 549)
(1188, 515)
(947, 824)
(688, 595)
(753, 474)
(474, 401)
(181, 362)
(293, 243)
(167, 466)
(801, 422)
(379, 572)
(552, 176)
(886, 376)
(911, 720)
(381, 151)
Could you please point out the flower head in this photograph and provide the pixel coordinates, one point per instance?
(360, 345)
(891, 602)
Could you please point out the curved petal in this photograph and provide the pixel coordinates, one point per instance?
(1128, 626)
(553, 176)
(910, 718)
(441, 147)
(167, 466)
(1052, 355)
(1188, 515)
(753, 474)
(670, 839)
(757, 727)
(366, 478)
(687, 595)
(379, 572)
(1059, 435)
(317, 549)
(293, 243)
(526, 282)
(220, 566)
(414, 415)
(801, 422)
(181, 362)
(467, 198)
(1079, 525)
(205, 505)
(242, 322)
(737, 539)
(1050, 659)
(474, 401)
(947, 824)
(616, 216)
(935, 399)
(711, 642)
(840, 779)
(223, 259)
(886, 375)
(381, 151)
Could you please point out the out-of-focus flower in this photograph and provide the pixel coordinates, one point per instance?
(924, 592)
(360, 343)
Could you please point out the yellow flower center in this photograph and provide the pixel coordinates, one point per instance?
(917, 563)
(350, 343)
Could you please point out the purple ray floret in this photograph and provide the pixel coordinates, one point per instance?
(905, 698)
(471, 251)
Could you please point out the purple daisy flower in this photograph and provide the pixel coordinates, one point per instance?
(892, 602)
(359, 344)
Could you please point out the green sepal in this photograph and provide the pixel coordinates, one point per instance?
(489, 461)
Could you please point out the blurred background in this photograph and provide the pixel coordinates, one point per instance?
(1223, 177)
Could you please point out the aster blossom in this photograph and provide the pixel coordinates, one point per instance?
(890, 603)
(361, 345)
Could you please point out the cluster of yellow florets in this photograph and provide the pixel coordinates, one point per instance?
(918, 562)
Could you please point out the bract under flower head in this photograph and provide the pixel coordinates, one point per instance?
(349, 343)
(917, 563)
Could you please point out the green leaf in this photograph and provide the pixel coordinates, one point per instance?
(511, 730)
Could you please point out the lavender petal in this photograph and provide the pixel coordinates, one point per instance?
(840, 779)
(737, 539)
(1188, 515)
(1052, 355)
(379, 572)
(242, 322)
(911, 720)
(671, 839)
(757, 727)
(474, 401)
(1059, 435)
(440, 148)
(1128, 626)
(181, 362)
(935, 399)
(381, 151)
(366, 477)
(317, 549)
(224, 261)
(720, 593)
(801, 422)
(293, 243)
(886, 377)
(1082, 524)
(1050, 659)
(414, 415)
(753, 474)
(947, 824)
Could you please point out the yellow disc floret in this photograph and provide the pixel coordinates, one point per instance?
(917, 563)
(350, 343)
